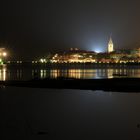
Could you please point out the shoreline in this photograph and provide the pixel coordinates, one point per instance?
(113, 85)
(74, 65)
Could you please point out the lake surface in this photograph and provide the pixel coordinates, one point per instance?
(27, 73)
(42, 114)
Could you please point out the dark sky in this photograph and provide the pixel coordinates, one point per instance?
(31, 28)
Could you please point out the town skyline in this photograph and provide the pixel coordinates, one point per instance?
(31, 29)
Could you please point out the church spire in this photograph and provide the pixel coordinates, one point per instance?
(110, 45)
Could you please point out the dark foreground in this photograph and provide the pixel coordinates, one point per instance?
(64, 114)
(116, 84)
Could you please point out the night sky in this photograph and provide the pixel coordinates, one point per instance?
(31, 28)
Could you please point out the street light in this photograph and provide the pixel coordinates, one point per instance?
(4, 54)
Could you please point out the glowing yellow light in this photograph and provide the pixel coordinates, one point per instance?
(4, 74)
(4, 54)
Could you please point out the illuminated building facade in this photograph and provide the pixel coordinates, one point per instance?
(110, 46)
(135, 52)
(81, 56)
(75, 55)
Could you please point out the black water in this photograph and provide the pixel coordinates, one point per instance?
(68, 114)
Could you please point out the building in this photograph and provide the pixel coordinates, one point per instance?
(135, 52)
(75, 56)
(110, 46)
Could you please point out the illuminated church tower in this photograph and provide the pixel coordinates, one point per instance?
(110, 46)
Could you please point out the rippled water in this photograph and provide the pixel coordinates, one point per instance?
(20, 73)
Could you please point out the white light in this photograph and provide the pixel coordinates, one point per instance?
(97, 51)
(98, 48)
(41, 60)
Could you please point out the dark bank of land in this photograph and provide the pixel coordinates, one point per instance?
(116, 84)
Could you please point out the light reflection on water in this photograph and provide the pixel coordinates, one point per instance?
(3, 74)
(29, 73)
